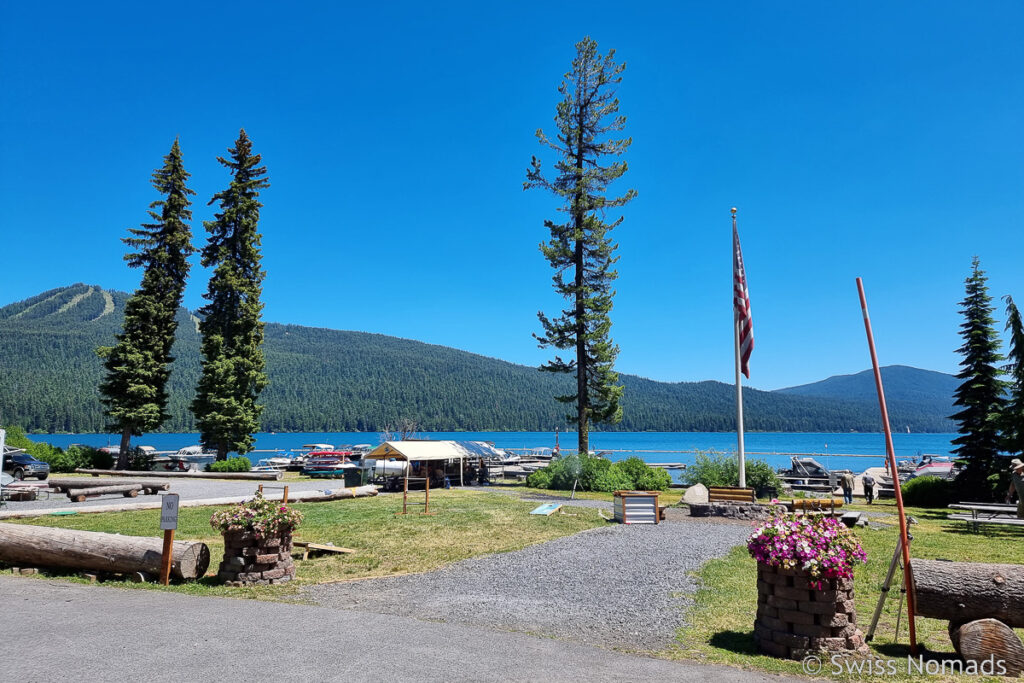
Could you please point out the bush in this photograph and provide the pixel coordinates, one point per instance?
(598, 474)
(230, 465)
(928, 492)
(722, 469)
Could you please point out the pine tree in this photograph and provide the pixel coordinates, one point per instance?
(134, 392)
(1013, 413)
(580, 249)
(233, 366)
(981, 394)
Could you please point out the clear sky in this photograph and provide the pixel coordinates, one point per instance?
(874, 139)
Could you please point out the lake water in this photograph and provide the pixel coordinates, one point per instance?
(856, 452)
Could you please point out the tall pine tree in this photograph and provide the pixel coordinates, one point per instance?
(1013, 413)
(233, 372)
(134, 392)
(980, 397)
(580, 249)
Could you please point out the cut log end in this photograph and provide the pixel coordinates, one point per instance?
(985, 640)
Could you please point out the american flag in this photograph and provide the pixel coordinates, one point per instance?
(741, 302)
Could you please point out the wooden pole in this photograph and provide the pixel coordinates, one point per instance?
(908, 577)
(284, 498)
(405, 488)
(165, 562)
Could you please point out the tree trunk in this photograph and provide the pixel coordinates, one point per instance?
(582, 397)
(126, 444)
(966, 591)
(985, 639)
(39, 546)
(222, 451)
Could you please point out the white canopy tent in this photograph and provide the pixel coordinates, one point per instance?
(423, 451)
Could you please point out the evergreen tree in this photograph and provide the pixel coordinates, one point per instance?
(580, 249)
(981, 394)
(233, 366)
(134, 392)
(1013, 413)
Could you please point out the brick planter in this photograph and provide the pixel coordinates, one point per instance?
(251, 560)
(794, 619)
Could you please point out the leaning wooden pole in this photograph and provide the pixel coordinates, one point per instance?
(908, 579)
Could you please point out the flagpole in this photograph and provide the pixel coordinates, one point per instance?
(739, 384)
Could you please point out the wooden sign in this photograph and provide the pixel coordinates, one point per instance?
(169, 511)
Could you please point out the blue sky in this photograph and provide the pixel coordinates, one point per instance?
(881, 140)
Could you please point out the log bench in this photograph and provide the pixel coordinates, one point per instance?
(730, 494)
(127, 490)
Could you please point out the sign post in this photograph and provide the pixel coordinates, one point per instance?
(168, 522)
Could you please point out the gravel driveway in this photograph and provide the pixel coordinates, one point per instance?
(622, 587)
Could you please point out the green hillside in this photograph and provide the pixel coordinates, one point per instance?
(330, 380)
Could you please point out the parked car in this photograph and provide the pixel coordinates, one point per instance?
(21, 465)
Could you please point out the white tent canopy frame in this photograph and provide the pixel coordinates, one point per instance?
(425, 452)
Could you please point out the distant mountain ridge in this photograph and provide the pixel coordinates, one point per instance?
(331, 380)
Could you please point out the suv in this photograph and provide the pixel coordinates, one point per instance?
(21, 465)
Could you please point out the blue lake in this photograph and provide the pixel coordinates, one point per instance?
(836, 451)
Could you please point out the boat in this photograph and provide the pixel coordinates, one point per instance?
(333, 463)
(271, 465)
(807, 474)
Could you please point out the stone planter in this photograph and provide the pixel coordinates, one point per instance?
(252, 560)
(794, 619)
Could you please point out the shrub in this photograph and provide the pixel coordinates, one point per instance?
(928, 492)
(722, 469)
(612, 478)
(598, 474)
(230, 465)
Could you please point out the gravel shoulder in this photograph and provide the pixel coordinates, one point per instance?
(619, 587)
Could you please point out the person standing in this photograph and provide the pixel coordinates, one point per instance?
(846, 481)
(1017, 483)
(869, 488)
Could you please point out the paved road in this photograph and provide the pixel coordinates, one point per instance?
(57, 631)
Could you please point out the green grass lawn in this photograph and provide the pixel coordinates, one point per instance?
(465, 524)
(722, 618)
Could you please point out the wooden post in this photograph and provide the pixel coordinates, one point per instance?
(260, 488)
(284, 498)
(426, 501)
(165, 563)
(405, 488)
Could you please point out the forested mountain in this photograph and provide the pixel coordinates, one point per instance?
(330, 380)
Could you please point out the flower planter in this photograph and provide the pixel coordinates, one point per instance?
(254, 560)
(798, 615)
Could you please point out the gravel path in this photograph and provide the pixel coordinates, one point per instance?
(622, 587)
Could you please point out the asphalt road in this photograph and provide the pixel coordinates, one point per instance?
(56, 631)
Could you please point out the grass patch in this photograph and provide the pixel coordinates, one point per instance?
(466, 524)
(722, 617)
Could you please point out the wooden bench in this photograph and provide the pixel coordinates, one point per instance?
(730, 494)
(815, 504)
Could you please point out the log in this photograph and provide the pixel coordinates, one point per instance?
(984, 640)
(79, 495)
(245, 476)
(966, 591)
(64, 483)
(40, 546)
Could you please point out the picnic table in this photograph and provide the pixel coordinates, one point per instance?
(987, 513)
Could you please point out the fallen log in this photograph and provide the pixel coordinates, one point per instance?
(245, 476)
(64, 483)
(40, 546)
(984, 640)
(966, 591)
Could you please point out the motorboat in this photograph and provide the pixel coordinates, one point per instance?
(333, 463)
